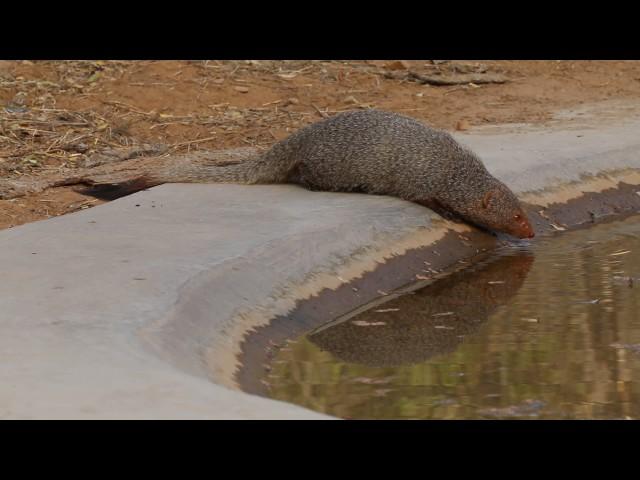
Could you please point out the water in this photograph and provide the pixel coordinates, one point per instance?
(545, 330)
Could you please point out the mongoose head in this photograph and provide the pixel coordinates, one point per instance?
(501, 211)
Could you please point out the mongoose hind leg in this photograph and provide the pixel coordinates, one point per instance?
(297, 176)
(299, 180)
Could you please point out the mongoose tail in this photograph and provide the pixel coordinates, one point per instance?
(111, 191)
(240, 165)
(252, 171)
(272, 166)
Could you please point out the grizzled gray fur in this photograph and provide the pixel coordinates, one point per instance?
(377, 152)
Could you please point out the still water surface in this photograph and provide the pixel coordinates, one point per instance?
(549, 329)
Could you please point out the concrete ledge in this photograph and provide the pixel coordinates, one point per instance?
(148, 307)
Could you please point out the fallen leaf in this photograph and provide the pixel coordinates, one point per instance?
(397, 65)
(590, 302)
(373, 381)
(463, 125)
(635, 348)
(622, 252)
(93, 77)
(241, 89)
(381, 392)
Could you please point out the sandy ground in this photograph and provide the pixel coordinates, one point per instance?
(56, 116)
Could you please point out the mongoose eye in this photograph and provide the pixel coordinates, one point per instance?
(518, 217)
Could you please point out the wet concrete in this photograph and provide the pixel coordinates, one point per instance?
(148, 306)
(401, 336)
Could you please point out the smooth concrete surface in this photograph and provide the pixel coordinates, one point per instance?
(531, 159)
(135, 308)
(82, 292)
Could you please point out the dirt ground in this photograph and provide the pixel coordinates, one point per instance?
(56, 116)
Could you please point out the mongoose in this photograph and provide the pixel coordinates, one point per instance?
(376, 152)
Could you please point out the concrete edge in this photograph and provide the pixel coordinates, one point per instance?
(419, 267)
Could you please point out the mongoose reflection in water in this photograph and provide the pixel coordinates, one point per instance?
(375, 152)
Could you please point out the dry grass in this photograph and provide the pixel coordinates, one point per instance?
(59, 119)
(36, 137)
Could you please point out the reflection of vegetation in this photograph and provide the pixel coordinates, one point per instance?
(544, 350)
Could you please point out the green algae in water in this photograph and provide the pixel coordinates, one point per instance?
(548, 330)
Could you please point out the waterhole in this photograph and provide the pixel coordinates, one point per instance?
(549, 329)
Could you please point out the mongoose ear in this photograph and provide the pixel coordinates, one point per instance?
(487, 198)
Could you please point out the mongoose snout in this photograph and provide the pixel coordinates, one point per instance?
(524, 228)
(501, 211)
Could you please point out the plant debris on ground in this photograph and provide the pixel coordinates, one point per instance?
(60, 119)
